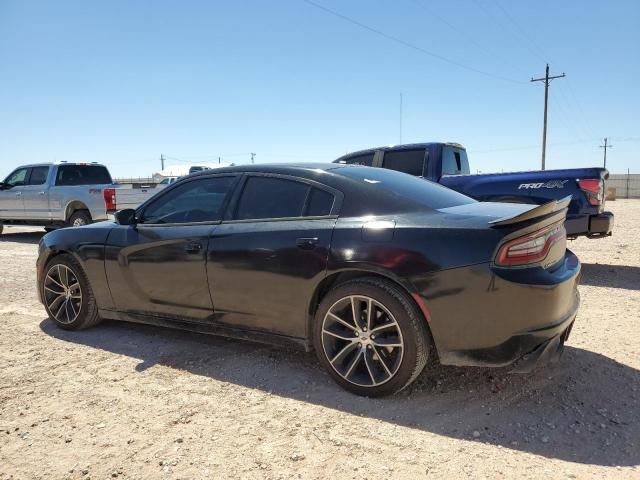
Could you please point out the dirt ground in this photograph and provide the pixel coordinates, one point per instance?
(132, 401)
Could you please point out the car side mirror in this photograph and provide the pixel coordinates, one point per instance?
(126, 216)
(3, 186)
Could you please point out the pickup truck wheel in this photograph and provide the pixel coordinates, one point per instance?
(79, 218)
(67, 295)
(371, 337)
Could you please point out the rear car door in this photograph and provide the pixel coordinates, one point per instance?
(11, 205)
(157, 267)
(266, 259)
(35, 195)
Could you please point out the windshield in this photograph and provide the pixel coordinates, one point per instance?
(418, 190)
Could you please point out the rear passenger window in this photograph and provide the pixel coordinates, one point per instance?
(366, 159)
(406, 161)
(320, 203)
(38, 175)
(267, 197)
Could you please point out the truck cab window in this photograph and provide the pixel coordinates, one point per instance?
(454, 161)
(406, 161)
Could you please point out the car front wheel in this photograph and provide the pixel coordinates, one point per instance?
(67, 295)
(371, 337)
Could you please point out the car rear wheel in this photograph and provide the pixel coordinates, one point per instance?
(371, 337)
(67, 295)
(79, 218)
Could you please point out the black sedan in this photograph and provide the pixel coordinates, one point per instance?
(377, 271)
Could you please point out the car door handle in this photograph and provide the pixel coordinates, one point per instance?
(193, 247)
(307, 243)
(42, 193)
(18, 194)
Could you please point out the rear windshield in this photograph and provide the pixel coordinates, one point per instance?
(418, 190)
(82, 175)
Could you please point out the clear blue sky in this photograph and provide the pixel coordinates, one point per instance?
(121, 82)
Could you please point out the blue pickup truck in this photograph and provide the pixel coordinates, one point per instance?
(447, 163)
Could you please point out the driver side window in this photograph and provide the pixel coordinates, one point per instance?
(17, 178)
(199, 200)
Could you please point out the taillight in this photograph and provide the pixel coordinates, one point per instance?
(109, 198)
(531, 248)
(594, 189)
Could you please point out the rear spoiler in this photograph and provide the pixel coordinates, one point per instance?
(544, 210)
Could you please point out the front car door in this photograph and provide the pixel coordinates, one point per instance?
(157, 267)
(11, 205)
(266, 259)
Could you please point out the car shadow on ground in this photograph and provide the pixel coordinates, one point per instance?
(583, 409)
(611, 276)
(21, 237)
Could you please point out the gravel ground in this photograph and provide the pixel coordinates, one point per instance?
(132, 401)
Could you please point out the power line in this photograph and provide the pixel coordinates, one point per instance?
(465, 35)
(408, 44)
(540, 52)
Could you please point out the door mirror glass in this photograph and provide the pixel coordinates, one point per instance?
(126, 216)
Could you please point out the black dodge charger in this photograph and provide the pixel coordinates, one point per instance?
(377, 271)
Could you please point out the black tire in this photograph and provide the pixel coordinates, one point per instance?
(414, 336)
(79, 218)
(87, 315)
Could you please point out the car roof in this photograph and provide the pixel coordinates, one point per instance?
(59, 163)
(279, 168)
(405, 146)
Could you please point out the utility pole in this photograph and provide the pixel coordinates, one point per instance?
(547, 80)
(161, 162)
(253, 155)
(605, 146)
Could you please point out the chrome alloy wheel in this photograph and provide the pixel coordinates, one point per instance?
(62, 294)
(79, 222)
(362, 341)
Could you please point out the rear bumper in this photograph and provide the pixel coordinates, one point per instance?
(489, 317)
(592, 226)
(601, 225)
(524, 351)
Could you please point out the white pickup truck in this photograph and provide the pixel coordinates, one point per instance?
(61, 194)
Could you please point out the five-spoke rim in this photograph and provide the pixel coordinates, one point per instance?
(362, 341)
(62, 293)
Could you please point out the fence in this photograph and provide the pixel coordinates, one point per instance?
(627, 185)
